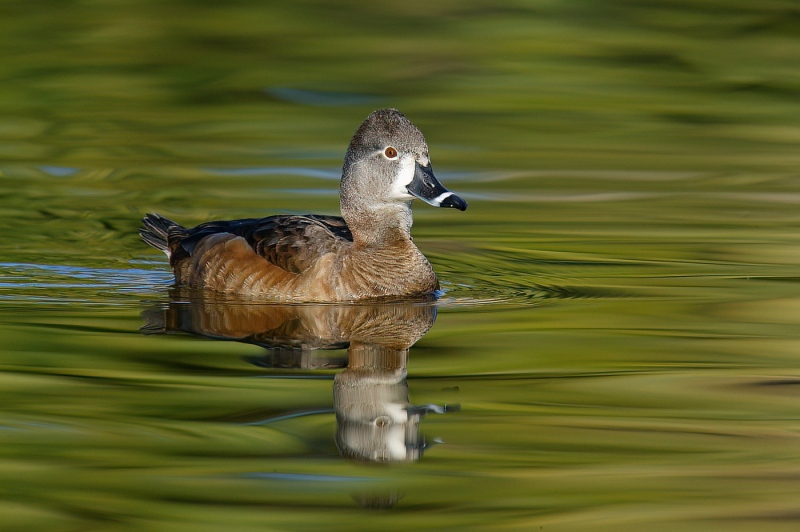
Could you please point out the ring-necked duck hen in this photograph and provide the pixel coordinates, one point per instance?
(367, 253)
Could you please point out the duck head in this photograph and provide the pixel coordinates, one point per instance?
(386, 167)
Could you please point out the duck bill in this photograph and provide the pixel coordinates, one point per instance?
(426, 187)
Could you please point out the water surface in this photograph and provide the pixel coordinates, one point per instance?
(618, 342)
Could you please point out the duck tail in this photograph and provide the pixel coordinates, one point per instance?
(156, 231)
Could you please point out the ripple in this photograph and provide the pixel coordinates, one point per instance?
(321, 98)
(51, 283)
(319, 173)
(500, 294)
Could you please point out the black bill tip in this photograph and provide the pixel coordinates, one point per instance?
(454, 202)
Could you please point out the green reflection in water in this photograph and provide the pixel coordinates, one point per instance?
(620, 325)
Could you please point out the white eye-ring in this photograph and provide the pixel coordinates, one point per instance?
(390, 152)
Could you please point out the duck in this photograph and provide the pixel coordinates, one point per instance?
(366, 253)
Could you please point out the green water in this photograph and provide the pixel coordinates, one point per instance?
(618, 347)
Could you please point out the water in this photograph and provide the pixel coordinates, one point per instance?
(618, 343)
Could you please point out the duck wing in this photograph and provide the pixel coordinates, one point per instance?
(291, 242)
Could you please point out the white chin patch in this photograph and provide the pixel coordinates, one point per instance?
(403, 177)
(437, 201)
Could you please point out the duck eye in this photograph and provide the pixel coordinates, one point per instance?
(390, 152)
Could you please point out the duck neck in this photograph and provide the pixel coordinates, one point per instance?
(380, 227)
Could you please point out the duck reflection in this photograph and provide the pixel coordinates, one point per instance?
(375, 420)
